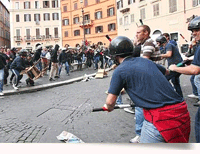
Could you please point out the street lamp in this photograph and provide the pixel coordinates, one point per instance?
(81, 1)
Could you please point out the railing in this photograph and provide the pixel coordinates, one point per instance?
(86, 22)
(18, 38)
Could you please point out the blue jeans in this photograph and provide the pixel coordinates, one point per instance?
(1, 79)
(66, 67)
(150, 134)
(197, 117)
(194, 88)
(39, 65)
(96, 60)
(119, 99)
(139, 120)
(174, 77)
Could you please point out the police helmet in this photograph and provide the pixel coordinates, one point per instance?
(194, 24)
(121, 45)
(23, 52)
(161, 39)
(13, 49)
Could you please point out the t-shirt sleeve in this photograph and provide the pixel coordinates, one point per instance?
(116, 83)
(196, 60)
(168, 47)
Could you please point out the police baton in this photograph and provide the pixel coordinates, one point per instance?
(115, 107)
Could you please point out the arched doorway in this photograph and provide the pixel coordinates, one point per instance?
(155, 34)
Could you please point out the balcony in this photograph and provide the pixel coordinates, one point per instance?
(27, 38)
(47, 37)
(56, 38)
(18, 38)
(142, 4)
(87, 23)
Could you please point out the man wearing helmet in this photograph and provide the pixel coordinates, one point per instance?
(166, 116)
(193, 69)
(17, 66)
(173, 57)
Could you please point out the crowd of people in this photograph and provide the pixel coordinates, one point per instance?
(161, 111)
(49, 60)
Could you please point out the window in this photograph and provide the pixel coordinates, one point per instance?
(66, 33)
(75, 6)
(46, 16)
(87, 17)
(55, 4)
(18, 34)
(97, 1)
(47, 32)
(16, 5)
(111, 12)
(55, 16)
(156, 10)
(195, 2)
(76, 20)
(56, 32)
(132, 18)
(126, 22)
(85, 2)
(27, 17)
(87, 31)
(77, 33)
(120, 21)
(64, 8)
(28, 34)
(98, 15)
(38, 33)
(99, 29)
(27, 5)
(17, 18)
(37, 5)
(111, 27)
(36, 17)
(131, 2)
(120, 4)
(172, 6)
(174, 36)
(142, 13)
(65, 22)
(45, 4)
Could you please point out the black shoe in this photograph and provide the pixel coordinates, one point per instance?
(56, 76)
(51, 79)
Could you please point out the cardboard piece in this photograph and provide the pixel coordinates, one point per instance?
(101, 74)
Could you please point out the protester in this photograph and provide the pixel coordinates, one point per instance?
(166, 116)
(2, 66)
(193, 69)
(17, 66)
(63, 59)
(54, 63)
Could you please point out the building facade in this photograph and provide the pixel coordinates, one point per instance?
(4, 26)
(163, 16)
(99, 20)
(35, 22)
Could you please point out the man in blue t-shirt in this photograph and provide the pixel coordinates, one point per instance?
(148, 88)
(193, 69)
(173, 57)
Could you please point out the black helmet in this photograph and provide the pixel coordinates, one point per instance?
(13, 49)
(23, 52)
(121, 45)
(161, 39)
(194, 24)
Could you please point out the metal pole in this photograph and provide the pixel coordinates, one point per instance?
(83, 27)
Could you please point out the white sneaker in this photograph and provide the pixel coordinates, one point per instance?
(1, 93)
(135, 139)
(15, 87)
(129, 110)
(193, 96)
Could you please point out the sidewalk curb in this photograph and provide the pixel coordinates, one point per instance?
(49, 85)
